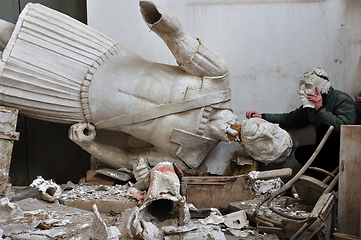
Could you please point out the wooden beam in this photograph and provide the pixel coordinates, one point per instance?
(8, 121)
(349, 194)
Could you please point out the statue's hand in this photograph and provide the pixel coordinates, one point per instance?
(220, 126)
(82, 134)
(140, 169)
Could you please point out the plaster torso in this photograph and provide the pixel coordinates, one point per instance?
(128, 84)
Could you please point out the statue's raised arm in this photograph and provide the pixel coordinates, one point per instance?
(193, 56)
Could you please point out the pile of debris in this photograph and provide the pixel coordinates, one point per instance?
(165, 203)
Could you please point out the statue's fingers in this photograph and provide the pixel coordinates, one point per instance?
(71, 131)
(85, 133)
(91, 130)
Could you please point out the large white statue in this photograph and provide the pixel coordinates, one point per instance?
(57, 69)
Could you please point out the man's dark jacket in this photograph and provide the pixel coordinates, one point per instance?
(338, 108)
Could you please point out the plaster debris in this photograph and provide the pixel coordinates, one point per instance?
(108, 198)
(44, 220)
(215, 217)
(47, 190)
(109, 172)
(162, 202)
(140, 169)
(264, 187)
(100, 192)
(9, 210)
(267, 186)
(194, 230)
(99, 229)
(236, 220)
(253, 174)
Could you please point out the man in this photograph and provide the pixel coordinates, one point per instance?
(322, 107)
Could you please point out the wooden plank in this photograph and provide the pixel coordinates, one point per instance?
(8, 121)
(322, 201)
(290, 227)
(350, 180)
(308, 230)
(312, 230)
(326, 232)
(271, 230)
(264, 175)
(327, 210)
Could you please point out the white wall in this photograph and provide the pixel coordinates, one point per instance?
(268, 45)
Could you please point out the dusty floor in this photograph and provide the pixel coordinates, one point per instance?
(61, 220)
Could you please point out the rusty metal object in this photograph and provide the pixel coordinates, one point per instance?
(8, 121)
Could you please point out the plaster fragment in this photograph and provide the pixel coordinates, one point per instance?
(215, 217)
(9, 210)
(253, 174)
(267, 186)
(236, 220)
(194, 230)
(99, 229)
(47, 190)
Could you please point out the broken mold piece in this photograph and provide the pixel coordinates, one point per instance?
(109, 172)
(134, 192)
(9, 210)
(194, 230)
(162, 202)
(47, 190)
(215, 217)
(262, 187)
(68, 186)
(141, 169)
(236, 220)
(99, 229)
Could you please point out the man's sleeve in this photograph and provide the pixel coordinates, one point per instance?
(296, 119)
(344, 113)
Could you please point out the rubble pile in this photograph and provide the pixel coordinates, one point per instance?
(82, 211)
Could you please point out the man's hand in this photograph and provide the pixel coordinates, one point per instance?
(317, 98)
(82, 133)
(252, 114)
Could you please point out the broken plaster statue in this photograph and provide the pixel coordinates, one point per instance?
(264, 141)
(162, 202)
(57, 69)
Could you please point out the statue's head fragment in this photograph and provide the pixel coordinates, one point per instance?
(265, 141)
